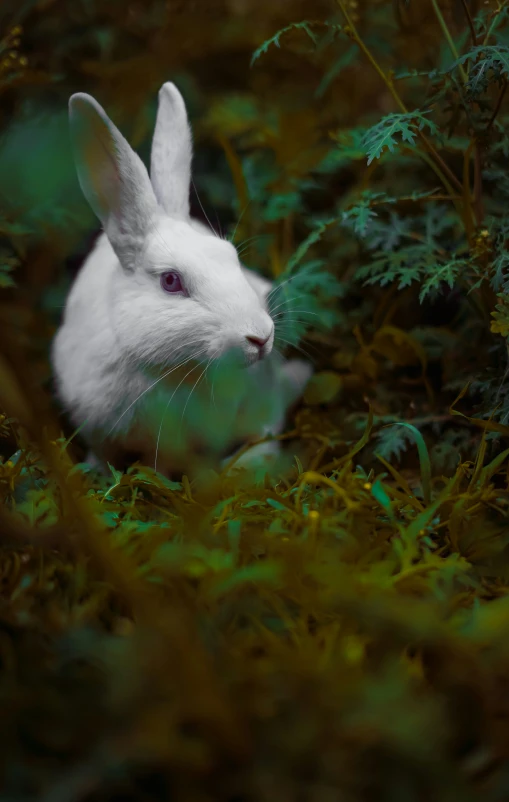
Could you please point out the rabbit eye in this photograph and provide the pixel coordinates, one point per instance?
(171, 282)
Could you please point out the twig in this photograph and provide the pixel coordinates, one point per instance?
(498, 106)
(470, 22)
(494, 22)
(440, 167)
(450, 40)
(409, 198)
(466, 189)
(478, 202)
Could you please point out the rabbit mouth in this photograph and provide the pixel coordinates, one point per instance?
(261, 354)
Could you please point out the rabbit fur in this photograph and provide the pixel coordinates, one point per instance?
(124, 342)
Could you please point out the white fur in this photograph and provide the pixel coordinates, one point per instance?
(120, 330)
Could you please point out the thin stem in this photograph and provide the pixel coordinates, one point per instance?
(470, 22)
(441, 169)
(371, 59)
(450, 41)
(478, 204)
(493, 23)
(466, 189)
(497, 107)
(409, 198)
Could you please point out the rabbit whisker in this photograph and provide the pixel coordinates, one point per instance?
(278, 286)
(297, 311)
(293, 345)
(245, 246)
(203, 210)
(248, 239)
(212, 396)
(200, 377)
(292, 319)
(166, 408)
(238, 221)
(221, 235)
(146, 390)
(286, 301)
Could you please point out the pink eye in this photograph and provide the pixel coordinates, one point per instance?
(170, 282)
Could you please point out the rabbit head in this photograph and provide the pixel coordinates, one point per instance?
(178, 291)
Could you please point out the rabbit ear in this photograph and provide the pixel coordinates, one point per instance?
(112, 176)
(172, 150)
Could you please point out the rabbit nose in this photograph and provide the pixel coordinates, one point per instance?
(258, 341)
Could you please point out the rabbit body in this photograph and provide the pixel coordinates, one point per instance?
(158, 306)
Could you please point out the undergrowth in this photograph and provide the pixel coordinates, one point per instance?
(339, 631)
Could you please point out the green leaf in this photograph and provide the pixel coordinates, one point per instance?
(379, 493)
(393, 129)
(423, 458)
(305, 25)
(346, 58)
(491, 62)
(447, 273)
(392, 442)
(359, 217)
(277, 505)
(280, 206)
(315, 235)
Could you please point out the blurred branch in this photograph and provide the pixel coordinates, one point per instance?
(440, 167)
(470, 22)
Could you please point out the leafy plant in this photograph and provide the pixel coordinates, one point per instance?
(385, 134)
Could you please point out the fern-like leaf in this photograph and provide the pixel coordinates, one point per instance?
(310, 240)
(490, 63)
(394, 128)
(305, 25)
(393, 441)
(400, 267)
(447, 273)
(359, 217)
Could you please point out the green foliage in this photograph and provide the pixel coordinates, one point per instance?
(7, 265)
(331, 624)
(490, 63)
(305, 25)
(385, 134)
(274, 40)
(393, 441)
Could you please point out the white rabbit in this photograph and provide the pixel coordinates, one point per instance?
(161, 296)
